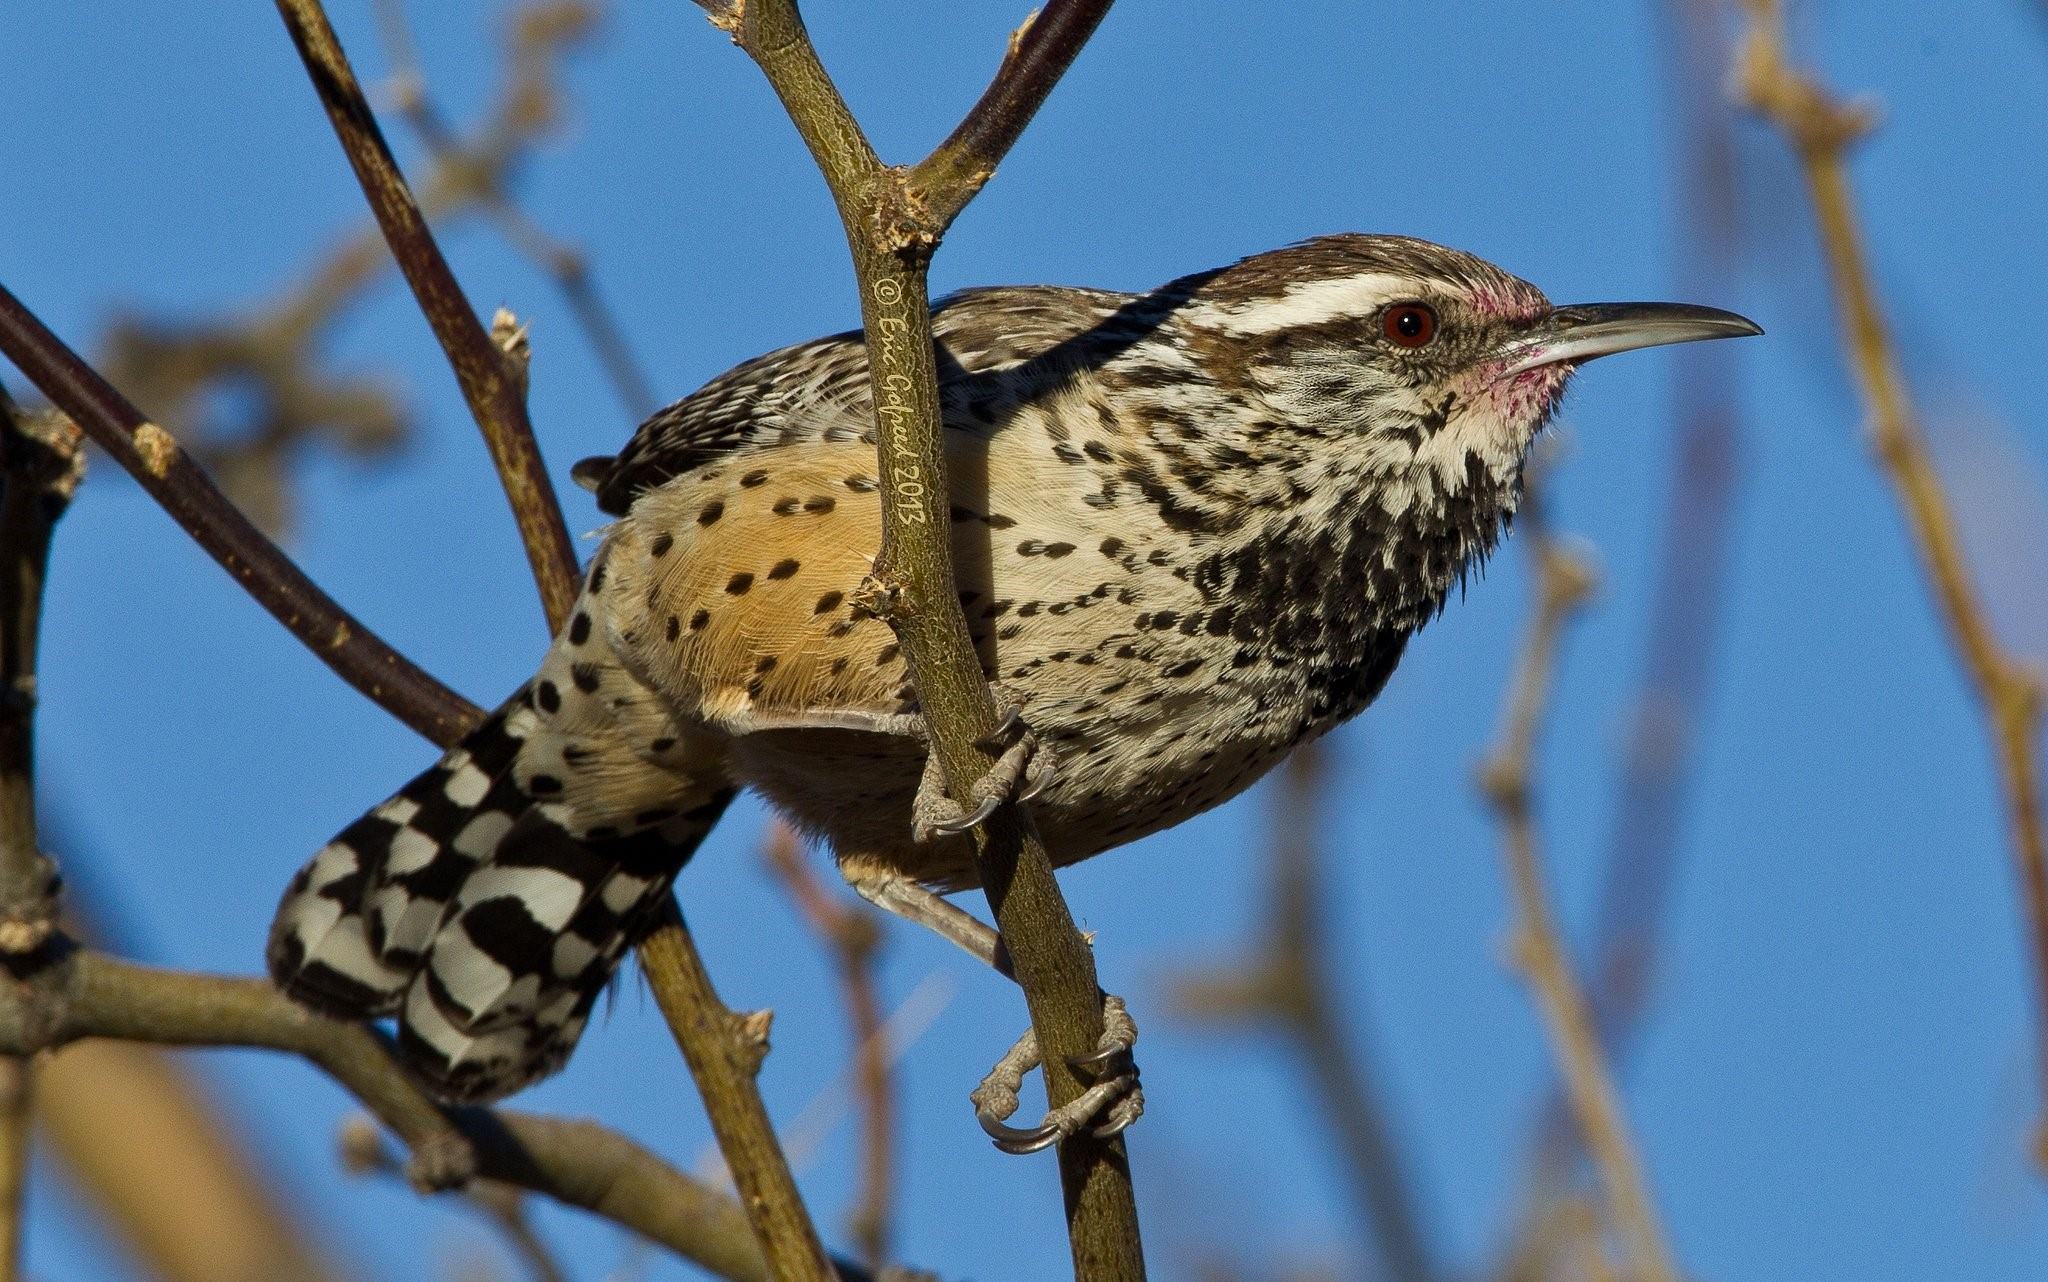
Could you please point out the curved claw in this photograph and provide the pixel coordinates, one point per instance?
(1096, 1064)
(1119, 1122)
(1011, 1139)
(1033, 788)
(1006, 729)
(969, 821)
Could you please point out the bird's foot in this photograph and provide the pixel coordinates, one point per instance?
(1021, 771)
(1112, 1101)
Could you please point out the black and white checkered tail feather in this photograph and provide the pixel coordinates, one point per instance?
(487, 903)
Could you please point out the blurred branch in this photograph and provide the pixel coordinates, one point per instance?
(16, 1115)
(529, 104)
(243, 394)
(854, 938)
(202, 1208)
(1288, 984)
(1563, 582)
(363, 1152)
(1692, 567)
(894, 219)
(1820, 130)
(1685, 607)
(495, 390)
(42, 460)
(152, 457)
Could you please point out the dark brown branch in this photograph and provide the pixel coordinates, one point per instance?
(496, 398)
(854, 938)
(148, 453)
(893, 223)
(1289, 985)
(1040, 53)
(41, 461)
(492, 370)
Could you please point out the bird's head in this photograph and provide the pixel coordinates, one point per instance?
(1423, 367)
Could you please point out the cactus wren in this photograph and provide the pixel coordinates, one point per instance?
(1192, 528)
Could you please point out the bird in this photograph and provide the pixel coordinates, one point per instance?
(1192, 529)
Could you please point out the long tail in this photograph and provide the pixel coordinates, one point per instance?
(488, 902)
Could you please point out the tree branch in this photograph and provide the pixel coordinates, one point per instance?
(1820, 130)
(364, 1152)
(83, 993)
(1563, 582)
(149, 454)
(495, 392)
(893, 221)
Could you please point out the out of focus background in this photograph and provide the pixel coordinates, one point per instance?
(1765, 794)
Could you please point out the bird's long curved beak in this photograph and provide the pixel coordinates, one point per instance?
(1581, 331)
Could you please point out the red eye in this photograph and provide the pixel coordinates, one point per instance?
(1409, 324)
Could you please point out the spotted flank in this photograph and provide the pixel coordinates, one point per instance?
(488, 902)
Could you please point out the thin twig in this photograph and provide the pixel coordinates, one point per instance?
(270, 356)
(724, 1050)
(1290, 985)
(1820, 130)
(149, 454)
(854, 938)
(1563, 582)
(496, 399)
(894, 219)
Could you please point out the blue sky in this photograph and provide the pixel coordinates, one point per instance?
(1835, 1080)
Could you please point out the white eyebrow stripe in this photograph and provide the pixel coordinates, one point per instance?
(1309, 303)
